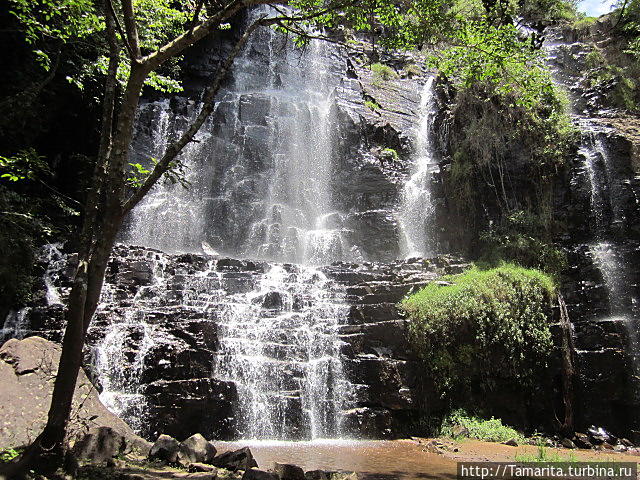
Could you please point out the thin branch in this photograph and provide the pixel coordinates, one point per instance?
(123, 35)
(131, 28)
(196, 14)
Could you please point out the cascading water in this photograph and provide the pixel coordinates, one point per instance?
(261, 187)
(277, 329)
(605, 193)
(280, 347)
(608, 255)
(16, 325)
(170, 218)
(416, 205)
(260, 172)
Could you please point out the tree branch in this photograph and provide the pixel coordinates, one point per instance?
(181, 42)
(121, 31)
(132, 30)
(208, 106)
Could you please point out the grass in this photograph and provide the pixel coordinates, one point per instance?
(383, 72)
(372, 105)
(543, 455)
(492, 430)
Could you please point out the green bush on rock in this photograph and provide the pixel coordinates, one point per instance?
(460, 424)
(481, 329)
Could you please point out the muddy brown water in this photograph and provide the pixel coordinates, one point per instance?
(384, 460)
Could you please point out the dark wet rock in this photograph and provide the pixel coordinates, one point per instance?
(272, 300)
(566, 443)
(511, 442)
(202, 467)
(241, 459)
(626, 443)
(165, 449)
(288, 472)
(317, 475)
(582, 440)
(257, 474)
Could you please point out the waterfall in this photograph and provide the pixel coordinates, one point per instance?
(260, 176)
(170, 217)
(260, 172)
(416, 206)
(607, 248)
(16, 325)
(277, 328)
(280, 347)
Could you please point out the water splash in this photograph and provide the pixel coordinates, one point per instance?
(56, 262)
(16, 325)
(280, 346)
(416, 206)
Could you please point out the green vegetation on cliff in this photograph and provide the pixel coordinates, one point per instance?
(481, 327)
(510, 133)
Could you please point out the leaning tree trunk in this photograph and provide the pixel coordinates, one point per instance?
(568, 369)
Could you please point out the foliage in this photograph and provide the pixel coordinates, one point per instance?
(383, 72)
(522, 237)
(391, 153)
(138, 173)
(26, 164)
(9, 454)
(498, 59)
(487, 430)
(49, 23)
(584, 23)
(484, 326)
(372, 105)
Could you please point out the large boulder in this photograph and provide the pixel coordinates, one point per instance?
(288, 472)
(235, 460)
(196, 449)
(99, 445)
(27, 371)
(257, 474)
(165, 449)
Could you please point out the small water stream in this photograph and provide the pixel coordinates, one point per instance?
(416, 205)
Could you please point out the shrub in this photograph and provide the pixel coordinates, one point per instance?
(390, 153)
(383, 72)
(488, 430)
(483, 328)
(522, 237)
(9, 454)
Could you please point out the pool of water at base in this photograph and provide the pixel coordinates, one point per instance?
(376, 459)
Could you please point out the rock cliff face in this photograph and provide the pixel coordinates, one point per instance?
(596, 202)
(158, 340)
